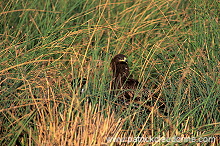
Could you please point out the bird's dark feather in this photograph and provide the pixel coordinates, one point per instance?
(130, 90)
(123, 82)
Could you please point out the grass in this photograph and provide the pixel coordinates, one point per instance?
(172, 48)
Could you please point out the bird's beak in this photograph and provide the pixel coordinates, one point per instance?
(124, 60)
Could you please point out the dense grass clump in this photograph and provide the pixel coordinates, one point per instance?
(47, 47)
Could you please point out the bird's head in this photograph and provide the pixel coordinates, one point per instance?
(119, 65)
(120, 58)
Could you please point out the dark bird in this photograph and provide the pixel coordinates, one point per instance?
(123, 84)
(129, 89)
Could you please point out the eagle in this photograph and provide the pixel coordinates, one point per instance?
(130, 90)
(123, 85)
